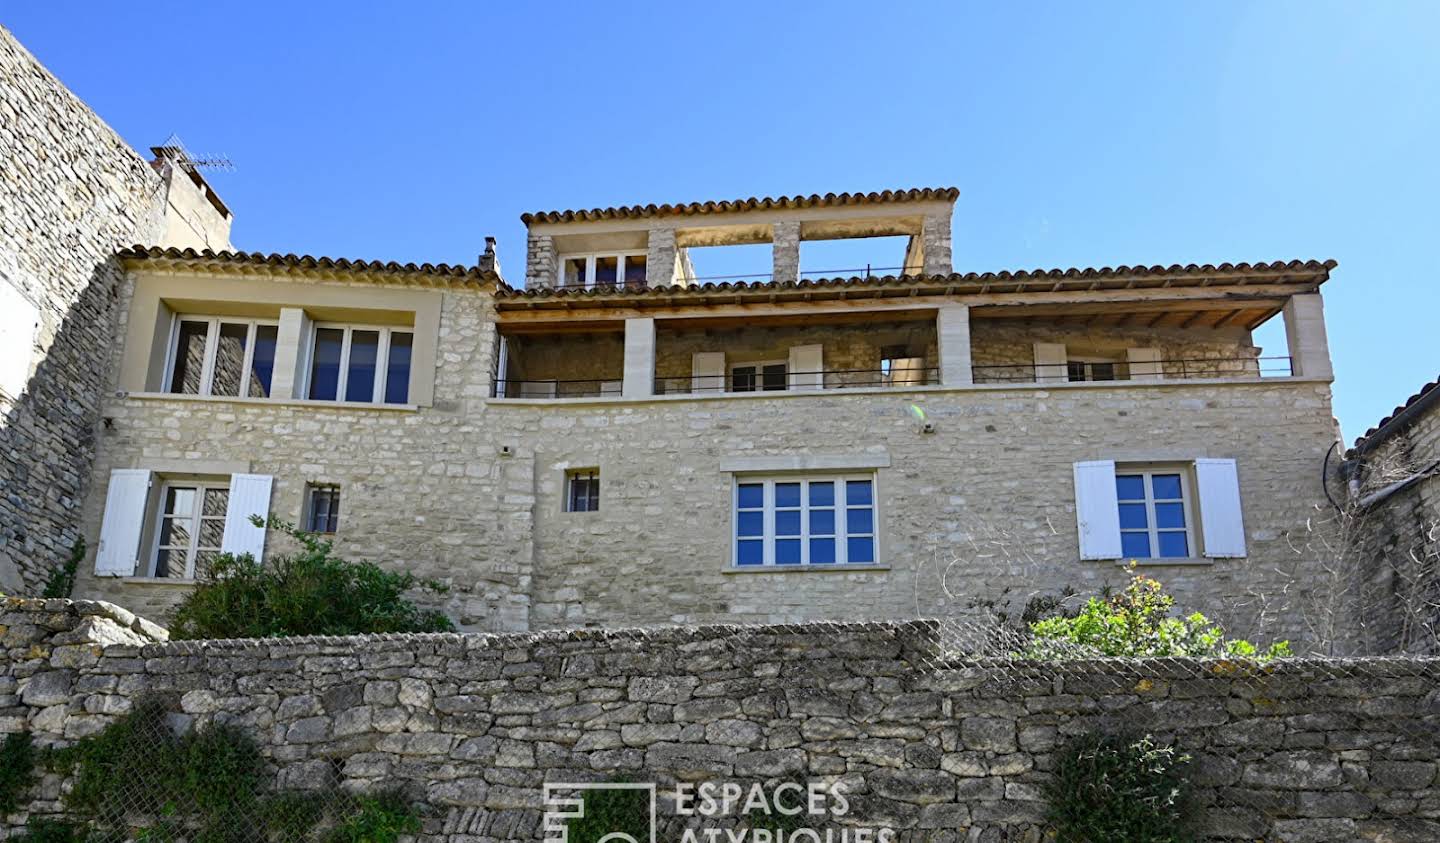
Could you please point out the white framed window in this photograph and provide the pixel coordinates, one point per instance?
(322, 507)
(221, 355)
(764, 376)
(796, 521)
(603, 269)
(1093, 369)
(1155, 512)
(368, 364)
(189, 527)
(582, 490)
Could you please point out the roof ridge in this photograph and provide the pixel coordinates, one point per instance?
(1417, 401)
(292, 261)
(913, 194)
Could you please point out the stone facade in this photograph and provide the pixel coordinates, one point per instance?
(471, 727)
(71, 194)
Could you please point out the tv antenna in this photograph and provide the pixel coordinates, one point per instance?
(174, 149)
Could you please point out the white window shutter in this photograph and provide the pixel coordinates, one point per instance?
(807, 367)
(707, 371)
(1145, 364)
(19, 322)
(124, 519)
(1050, 363)
(1220, 519)
(249, 495)
(1097, 512)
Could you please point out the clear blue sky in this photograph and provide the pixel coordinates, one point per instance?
(1086, 134)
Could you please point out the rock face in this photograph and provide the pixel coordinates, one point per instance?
(474, 725)
(71, 194)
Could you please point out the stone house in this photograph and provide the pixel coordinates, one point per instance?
(620, 442)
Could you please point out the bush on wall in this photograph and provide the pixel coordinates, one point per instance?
(310, 592)
(1111, 787)
(1136, 622)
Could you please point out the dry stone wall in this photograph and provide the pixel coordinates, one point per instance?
(472, 726)
(71, 193)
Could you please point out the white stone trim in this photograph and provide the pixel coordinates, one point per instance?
(803, 462)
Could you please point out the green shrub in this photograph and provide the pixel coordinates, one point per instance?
(1110, 788)
(1137, 622)
(376, 818)
(17, 766)
(311, 592)
(52, 831)
(61, 581)
(609, 810)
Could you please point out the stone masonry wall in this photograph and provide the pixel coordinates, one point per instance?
(471, 727)
(71, 193)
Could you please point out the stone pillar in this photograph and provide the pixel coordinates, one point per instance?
(660, 258)
(288, 378)
(541, 267)
(1305, 335)
(639, 358)
(952, 332)
(785, 241)
(935, 234)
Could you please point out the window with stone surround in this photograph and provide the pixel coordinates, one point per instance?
(221, 356)
(603, 269)
(190, 524)
(1154, 505)
(322, 507)
(582, 490)
(799, 521)
(368, 364)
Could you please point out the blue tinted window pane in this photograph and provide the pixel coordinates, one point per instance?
(859, 521)
(1166, 486)
(1174, 546)
(787, 494)
(822, 494)
(822, 551)
(325, 367)
(787, 523)
(860, 550)
(1135, 545)
(787, 552)
(262, 365)
(1169, 515)
(1132, 516)
(822, 522)
(857, 492)
(752, 496)
(364, 354)
(1130, 487)
(750, 524)
(397, 372)
(751, 553)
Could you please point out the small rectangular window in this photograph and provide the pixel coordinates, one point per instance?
(582, 492)
(1155, 521)
(190, 522)
(222, 357)
(1092, 369)
(365, 365)
(824, 520)
(603, 269)
(322, 508)
(766, 377)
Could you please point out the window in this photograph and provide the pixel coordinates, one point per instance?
(1092, 369)
(759, 376)
(1154, 517)
(366, 364)
(610, 269)
(190, 525)
(582, 493)
(791, 521)
(322, 508)
(221, 356)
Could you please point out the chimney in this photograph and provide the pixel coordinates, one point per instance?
(489, 261)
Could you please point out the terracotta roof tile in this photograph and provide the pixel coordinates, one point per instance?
(1399, 417)
(814, 200)
(303, 262)
(1315, 270)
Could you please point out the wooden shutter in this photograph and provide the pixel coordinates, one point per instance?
(1220, 519)
(124, 519)
(249, 495)
(1050, 363)
(707, 372)
(1145, 364)
(807, 367)
(1097, 513)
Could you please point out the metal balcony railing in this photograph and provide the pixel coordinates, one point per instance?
(1188, 368)
(552, 388)
(894, 377)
